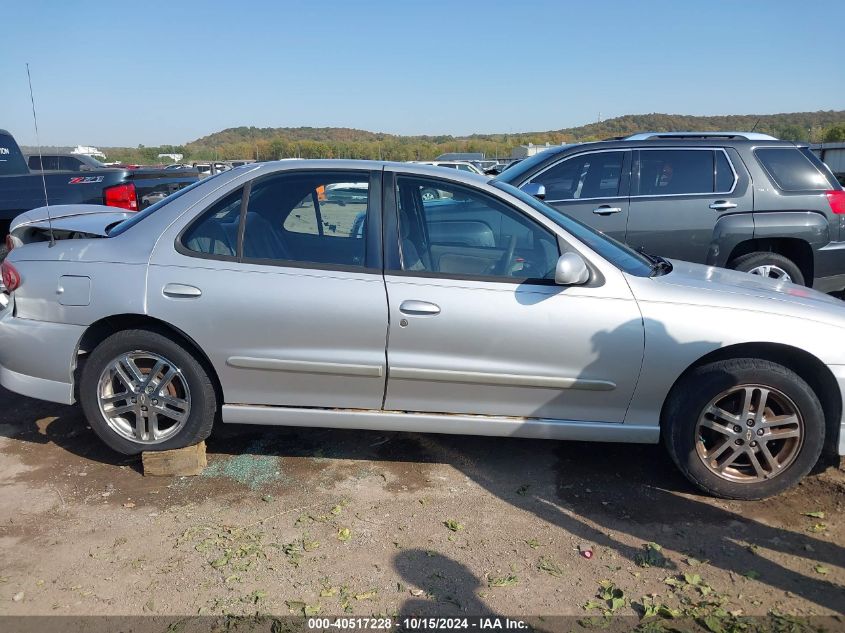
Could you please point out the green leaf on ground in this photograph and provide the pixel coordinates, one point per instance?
(503, 581)
(453, 525)
(753, 575)
(651, 557)
(821, 569)
(550, 566)
(532, 543)
(692, 579)
(818, 527)
(344, 534)
(818, 514)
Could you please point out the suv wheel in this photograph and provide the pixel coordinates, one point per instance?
(141, 391)
(771, 265)
(743, 428)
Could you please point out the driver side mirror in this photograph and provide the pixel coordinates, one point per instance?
(571, 270)
(535, 189)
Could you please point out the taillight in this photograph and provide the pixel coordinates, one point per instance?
(836, 200)
(10, 244)
(11, 276)
(122, 196)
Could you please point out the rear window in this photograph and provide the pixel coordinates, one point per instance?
(791, 170)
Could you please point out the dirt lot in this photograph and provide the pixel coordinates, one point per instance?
(297, 520)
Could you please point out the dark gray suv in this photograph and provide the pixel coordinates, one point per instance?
(737, 200)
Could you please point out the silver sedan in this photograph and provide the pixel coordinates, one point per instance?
(263, 296)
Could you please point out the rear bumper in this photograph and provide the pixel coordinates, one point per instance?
(37, 358)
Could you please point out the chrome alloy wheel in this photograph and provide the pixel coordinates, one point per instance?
(771, 271)
(749, 433)
(144, 397)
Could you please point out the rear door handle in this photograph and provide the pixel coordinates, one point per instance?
(606, 209)
(419, 308)
(181, 291)
(722, 205)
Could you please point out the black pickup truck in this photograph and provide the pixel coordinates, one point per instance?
(131, 189)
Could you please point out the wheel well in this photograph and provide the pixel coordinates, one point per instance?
(807, 366)
(100, 330)
(795, 249)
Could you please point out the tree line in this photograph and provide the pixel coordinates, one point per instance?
(308, 142)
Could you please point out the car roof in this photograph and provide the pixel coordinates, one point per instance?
(644, 139)
(276, 166)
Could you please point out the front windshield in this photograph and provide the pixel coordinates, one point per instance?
(131, 221)
(618, 254)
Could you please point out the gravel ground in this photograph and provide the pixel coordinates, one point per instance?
(332, 522)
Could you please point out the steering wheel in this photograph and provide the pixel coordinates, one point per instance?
(507, 259)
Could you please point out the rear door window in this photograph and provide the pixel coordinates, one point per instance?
(791, 170)
(317, 218)
(666, 172)
(69, 163)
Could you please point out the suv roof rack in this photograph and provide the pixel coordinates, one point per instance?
(652, 136)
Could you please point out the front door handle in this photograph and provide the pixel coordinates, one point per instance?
(722, 205)
(181, 291)
(419, 308)
(606, 209)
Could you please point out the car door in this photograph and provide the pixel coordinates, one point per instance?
(591, 187)
(477, 324)
(282, 287)
(678, 195)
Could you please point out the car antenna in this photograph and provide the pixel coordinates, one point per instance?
(40, 159)
(755, 125)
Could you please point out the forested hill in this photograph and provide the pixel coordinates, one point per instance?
(310, 142)
(332, 142)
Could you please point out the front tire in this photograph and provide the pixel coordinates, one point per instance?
(743, 428)
(142, 391)
(770, 265)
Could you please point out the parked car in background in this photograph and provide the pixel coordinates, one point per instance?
(484, 311)
(736, 200)
(460, 165)
(22, 189)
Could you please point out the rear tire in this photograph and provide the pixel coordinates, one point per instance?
(771, 265)
(164, 385)
(789, 428)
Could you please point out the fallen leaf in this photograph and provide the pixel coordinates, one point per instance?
(821, 569)
(453, 525)
(550, 567)
(343, 534)
(818, 514)
(503, 581)
(753, 575)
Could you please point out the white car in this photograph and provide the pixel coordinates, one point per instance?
(461, 165)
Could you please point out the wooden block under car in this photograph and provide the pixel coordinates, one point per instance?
(179, 462)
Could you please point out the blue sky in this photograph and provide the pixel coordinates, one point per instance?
(116, 73)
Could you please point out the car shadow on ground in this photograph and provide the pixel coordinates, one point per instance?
(594, 491)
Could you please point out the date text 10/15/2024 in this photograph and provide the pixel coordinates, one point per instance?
(418, 623)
